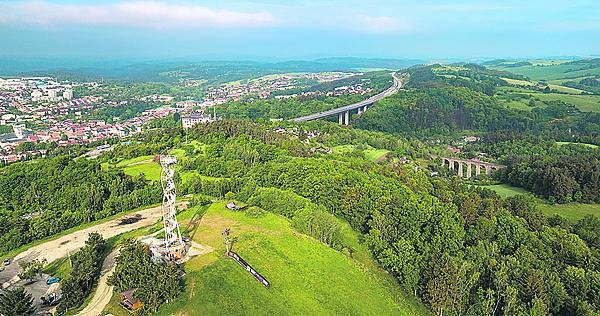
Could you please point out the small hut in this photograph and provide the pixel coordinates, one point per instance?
(129, 301)
(232, 206)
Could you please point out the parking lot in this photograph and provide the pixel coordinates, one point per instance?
(37, 288)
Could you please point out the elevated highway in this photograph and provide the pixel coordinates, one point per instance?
(344, 111)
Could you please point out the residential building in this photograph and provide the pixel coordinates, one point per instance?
(195, 118)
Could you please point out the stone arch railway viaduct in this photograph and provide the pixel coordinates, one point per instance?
(458, 164)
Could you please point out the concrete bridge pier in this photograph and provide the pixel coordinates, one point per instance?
(477, 170)
(341, 119)
(360, 111)
(469, 171)
(347, 118)
(460, 169)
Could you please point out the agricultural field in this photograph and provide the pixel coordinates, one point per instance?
(585, 103)
(551, 70)
(520, 97)
(306, 276)
(552, 86)
(519, 82)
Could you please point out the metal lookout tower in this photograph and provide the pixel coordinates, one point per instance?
(173, 247)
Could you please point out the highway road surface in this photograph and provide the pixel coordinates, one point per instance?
(391, 90)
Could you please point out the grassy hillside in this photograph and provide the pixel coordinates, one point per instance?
(306, 276)
(572, 212)
(138, 165)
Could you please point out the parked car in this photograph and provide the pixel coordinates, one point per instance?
(6, 262)
(51, 299)
(52, 280)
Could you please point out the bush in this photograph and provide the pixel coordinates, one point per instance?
(307, 217)
(319, 224)
(255, 212)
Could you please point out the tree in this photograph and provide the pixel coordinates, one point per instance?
(155, 283)
(16, 302)
(86, 269)
(588, 228)
(448, 284)
(31, 269)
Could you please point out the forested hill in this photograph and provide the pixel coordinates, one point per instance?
(44, 197)
(213, 71)
(460, 249)
(448, 99)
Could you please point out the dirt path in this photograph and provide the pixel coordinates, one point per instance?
(63, 246)
(104, 291)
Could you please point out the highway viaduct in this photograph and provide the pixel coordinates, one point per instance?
(343, 112)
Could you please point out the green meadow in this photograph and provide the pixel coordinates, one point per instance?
(571, 211)
(373, 154)
(307, 277)
(505, 190)
(137, 166)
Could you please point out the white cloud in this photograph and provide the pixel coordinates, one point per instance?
(380, 24)
(147, 14)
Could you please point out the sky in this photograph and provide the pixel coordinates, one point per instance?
(301, 29)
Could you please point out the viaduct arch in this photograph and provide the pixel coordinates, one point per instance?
(459, 165)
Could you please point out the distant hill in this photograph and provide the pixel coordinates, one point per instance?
(169, 71)
(549, 69)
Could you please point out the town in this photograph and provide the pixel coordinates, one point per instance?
(47, 110)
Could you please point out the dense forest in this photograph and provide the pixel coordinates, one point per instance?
(559, 172)
(560, 176)
(136, 270)
(46, 196)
